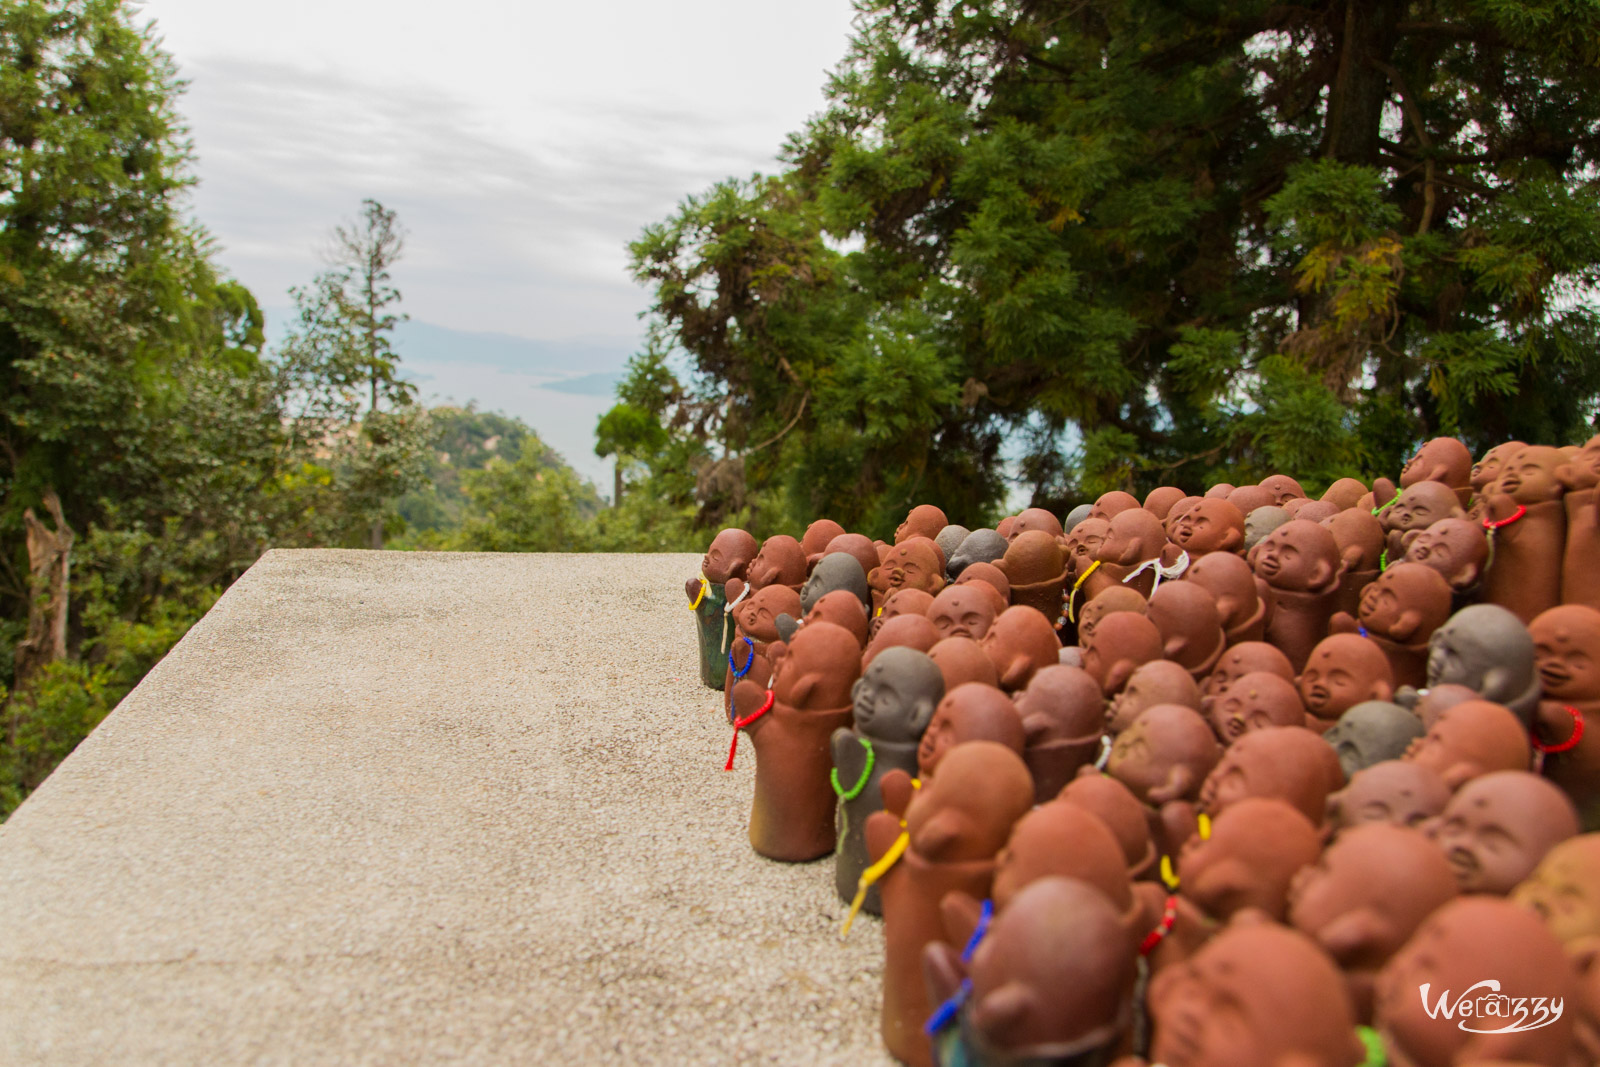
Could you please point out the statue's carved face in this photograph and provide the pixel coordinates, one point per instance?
(1566, 648)
(962, 611)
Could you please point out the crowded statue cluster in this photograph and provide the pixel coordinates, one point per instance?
(1253, 779)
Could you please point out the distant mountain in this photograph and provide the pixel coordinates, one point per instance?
(588, 385)
(560, 388)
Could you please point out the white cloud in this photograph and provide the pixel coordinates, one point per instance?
(522, 145)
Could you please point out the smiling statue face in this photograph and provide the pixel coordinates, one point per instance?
(1456, 548)
(1256, 701)
(895, 698)
(1256, 995)
(1564, 890)
(729, 556)
(1529, 476)
(1497, 828)
(1297, 557)
(1566, 647)
(961, 611)
(1487, 469)
(1393, 792)
(1421, 506)
(1209, 526)
(1342, 671)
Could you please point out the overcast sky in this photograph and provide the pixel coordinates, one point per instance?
(523, 144)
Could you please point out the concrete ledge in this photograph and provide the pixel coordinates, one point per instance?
(410, 808)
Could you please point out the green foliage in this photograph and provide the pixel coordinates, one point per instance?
(1144, 243)
(532, 504)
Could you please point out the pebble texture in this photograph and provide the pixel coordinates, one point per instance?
(417, 807)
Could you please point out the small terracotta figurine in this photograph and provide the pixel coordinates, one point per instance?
(1301, 562)
(1364, 899)
(1242, 659)
(1486, 471)
(1399, 613)
(988, 577)
(840, 607)
(979, 546)
(1497, 828)
(1158, 682)
(1359, 536)
(728, 557)
(1311, 510)
(1283, 488)
(1062, 718)
(1037, 519)
(1566, 648)
(1116, 806)
(1580, 476)
(1444, 460)
(1345, 493)
(1159, 501)
(1083, 545)
(962, 660)
(1209, 526)
(1191, 628)
(1037, 571)
(1165, 755)
(912, 564)
(1431, 703)
(1052, 981)
(1239, 597)
(903, 631)
(954, 825)
(1564, 891)
(1120, 644)
(1256, 995)
(1249, 498)
(791, 816)
(1342, 671)
(1256, 848)
(1109, 505)
(781, 561)
(1488, 649)
(925, 520)
(1135, 552)
(1117, 598)
(1528, 523)
(1371, 732)
(1419, 1009)
(893, 704)
(1020, 641)
(1220, 489)
(1288, 763)
(756, 631)
(970, 712)
(1417, 508)
(1393, 792)
(1256, 701)
(1471, 740)
(904, 602)
(817, 538)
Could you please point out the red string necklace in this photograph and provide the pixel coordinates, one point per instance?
(1570, 743)
(740, 724)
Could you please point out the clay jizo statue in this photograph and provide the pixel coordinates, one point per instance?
(1497, 828)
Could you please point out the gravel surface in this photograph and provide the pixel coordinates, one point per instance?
(415, 807)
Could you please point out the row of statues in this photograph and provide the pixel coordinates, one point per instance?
(1250, 779)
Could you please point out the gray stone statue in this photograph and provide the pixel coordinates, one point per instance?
(893, 701)
(1487, 649)
(1371, 732)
